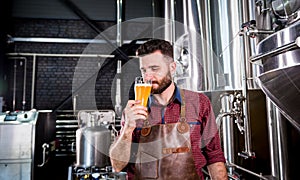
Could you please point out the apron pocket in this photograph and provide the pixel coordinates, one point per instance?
(148, 166)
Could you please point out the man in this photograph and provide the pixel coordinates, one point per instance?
(176, 136)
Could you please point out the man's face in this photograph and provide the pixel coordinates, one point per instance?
(159, 70)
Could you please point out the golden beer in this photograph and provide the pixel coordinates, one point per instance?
(142, 92)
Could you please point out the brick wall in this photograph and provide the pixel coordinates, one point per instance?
(55, 75)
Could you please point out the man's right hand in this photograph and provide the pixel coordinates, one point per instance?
(134, 111)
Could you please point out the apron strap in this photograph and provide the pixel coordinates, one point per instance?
(182, 107)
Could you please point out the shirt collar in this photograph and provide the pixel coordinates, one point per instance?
(177, 96)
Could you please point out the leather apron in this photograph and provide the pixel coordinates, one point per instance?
(165, 151)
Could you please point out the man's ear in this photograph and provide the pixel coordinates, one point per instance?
(172, 67)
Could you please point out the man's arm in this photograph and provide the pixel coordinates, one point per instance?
(120, 151)
(217, 171)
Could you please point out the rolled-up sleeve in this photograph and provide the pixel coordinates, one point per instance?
(211, 146)
(213, 151)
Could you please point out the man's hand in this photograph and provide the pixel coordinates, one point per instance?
(217, 171)
(133, 112)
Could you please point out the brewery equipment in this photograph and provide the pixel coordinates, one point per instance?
(17, 145)
(279, 55)
(26, 140)
(93, 139)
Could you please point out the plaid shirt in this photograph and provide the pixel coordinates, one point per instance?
(205, 141)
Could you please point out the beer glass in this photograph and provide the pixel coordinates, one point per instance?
(142, 90)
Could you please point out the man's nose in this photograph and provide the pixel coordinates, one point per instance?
(148, 76)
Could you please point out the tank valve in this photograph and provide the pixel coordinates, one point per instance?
(249, 28)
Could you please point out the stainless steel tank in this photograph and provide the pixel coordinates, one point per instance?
(213, 59)
(92, 146)
(285, 8)
(280, 79)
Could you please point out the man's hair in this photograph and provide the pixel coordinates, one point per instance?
(153, 45)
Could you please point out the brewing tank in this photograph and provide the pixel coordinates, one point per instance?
(280, 79)
(209, 50)
(92, 146)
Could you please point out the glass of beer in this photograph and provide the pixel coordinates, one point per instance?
(142, 90)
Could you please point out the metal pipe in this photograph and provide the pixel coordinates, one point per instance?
(247, 132)
(278, 145)
(227, 130)
(273, 142)
(24, 84)
(75, 105)
(45, 146)
(33, 81)
(15, 81)
(118, 100)
(55, 40)
(119, 21)
(173, 29)
(205, 27)
(209, 82)
(282, 145)
(153, 8)
(281, 49)
(63, 55)
(61, 40)
(14, 85)
(250, 172)
(169, 15)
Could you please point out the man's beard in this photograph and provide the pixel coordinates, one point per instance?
(162, 85)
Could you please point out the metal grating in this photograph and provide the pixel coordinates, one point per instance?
(66, 126)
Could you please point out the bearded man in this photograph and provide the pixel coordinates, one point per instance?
(176, 135)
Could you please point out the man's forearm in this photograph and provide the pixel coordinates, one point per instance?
(120, 152)
(217, 171)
